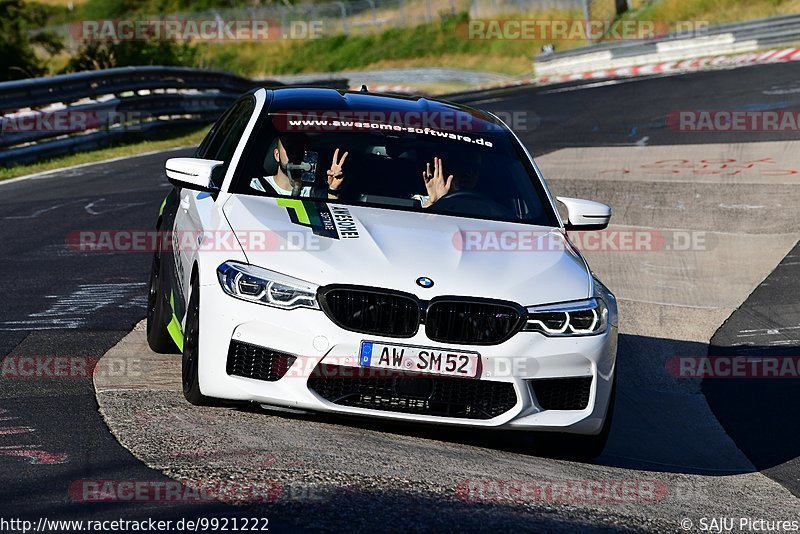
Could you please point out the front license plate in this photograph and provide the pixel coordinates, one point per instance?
(419, 359)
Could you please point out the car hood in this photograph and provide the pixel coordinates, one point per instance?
(337, 244)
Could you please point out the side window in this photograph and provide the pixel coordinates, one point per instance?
(224, 137)
(202, 150)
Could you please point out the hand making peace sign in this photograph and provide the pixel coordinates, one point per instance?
(335, 173)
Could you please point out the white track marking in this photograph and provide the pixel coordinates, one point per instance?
(36, 213)
(92, 207)
(72, 311)
(53, 172)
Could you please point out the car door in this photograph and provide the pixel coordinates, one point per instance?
(197, 217)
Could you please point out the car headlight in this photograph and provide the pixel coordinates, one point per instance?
(602, 292)
(577, 318)
(262, 286)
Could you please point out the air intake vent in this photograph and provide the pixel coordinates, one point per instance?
(562, 393)
(397, 391)
(259, 363)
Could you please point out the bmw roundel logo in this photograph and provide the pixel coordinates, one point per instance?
(424, 281)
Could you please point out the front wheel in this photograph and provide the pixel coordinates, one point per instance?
(158, 337)
(191, 352)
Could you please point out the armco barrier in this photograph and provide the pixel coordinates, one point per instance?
(111, 104)
(710, 41)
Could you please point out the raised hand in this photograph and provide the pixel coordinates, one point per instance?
(335, 173)
(435, 183)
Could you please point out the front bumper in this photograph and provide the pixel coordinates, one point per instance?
(313, 339)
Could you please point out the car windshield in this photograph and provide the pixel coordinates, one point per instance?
(479, 174)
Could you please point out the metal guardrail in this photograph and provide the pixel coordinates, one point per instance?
(749, 35)
(57, 115)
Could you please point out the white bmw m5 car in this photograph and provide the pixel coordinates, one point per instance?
(381, 256)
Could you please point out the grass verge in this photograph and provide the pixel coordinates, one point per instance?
(441, 44)
(444, 43)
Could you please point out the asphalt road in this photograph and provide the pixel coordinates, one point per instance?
(763, 414)
(60, 303)
(57, 435)
(635, 111)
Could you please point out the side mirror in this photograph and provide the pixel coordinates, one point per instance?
(192, 173)
(585, 214)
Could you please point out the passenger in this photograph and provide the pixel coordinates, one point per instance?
(292, 149)
(437, 186)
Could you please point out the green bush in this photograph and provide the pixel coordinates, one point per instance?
(17, 56)
(94, 55)
(105, 9)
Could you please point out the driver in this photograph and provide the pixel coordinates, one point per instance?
(437, 186)
(291, 149)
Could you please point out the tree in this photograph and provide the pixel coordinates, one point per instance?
(105, 54)
(17, 56)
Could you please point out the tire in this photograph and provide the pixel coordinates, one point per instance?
(158, 317)
(191, 352)
(583, 447)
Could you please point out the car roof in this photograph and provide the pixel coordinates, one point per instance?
(322, 99)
